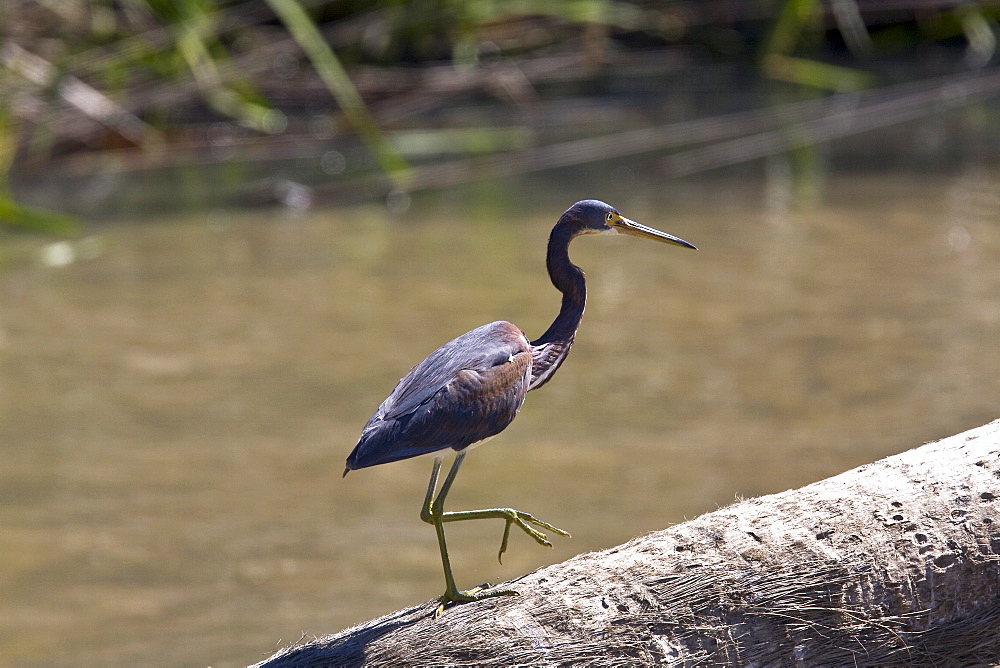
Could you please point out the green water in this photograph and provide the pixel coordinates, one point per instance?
(177, 397)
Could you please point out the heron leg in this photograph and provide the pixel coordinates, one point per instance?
(519, 518)
(433, 513)
(512, 517)
(425, 510)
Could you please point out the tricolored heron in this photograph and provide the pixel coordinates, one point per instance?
(472, 387)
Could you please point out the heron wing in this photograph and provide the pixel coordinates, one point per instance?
(467, 390)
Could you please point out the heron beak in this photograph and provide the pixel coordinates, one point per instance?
(625, 226)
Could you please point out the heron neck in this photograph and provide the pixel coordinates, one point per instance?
(568, 279)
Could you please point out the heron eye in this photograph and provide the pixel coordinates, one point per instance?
(610, 216)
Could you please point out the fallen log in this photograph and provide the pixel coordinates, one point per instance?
(893, 563)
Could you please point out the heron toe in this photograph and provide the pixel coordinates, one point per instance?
(522, 520)
(479, 593)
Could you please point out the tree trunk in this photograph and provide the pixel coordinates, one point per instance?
(893, 563)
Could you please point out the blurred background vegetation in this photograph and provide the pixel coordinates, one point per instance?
(304, 102)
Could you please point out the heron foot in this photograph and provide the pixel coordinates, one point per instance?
(524, 521)
(470, 595)
(511, 517)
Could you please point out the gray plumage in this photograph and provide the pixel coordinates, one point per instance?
(467, 390)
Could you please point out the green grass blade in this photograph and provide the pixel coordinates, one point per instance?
(339, 84)
(792, 20)
(23, 217)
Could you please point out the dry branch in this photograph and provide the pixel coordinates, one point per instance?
(88, 100)
(893, 563)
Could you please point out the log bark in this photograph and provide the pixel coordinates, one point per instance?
(893, 563)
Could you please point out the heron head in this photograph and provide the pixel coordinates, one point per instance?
(596, 217)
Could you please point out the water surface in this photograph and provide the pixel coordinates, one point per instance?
(176, 404)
